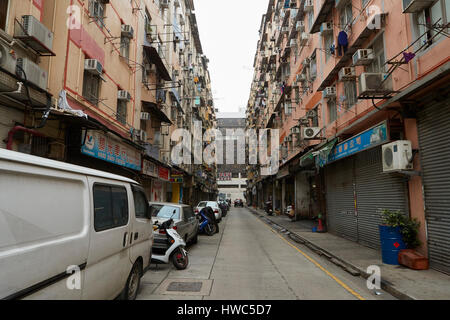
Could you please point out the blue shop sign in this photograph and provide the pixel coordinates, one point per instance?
(368, 139)
(100, 146)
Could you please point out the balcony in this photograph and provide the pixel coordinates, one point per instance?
(155, 56)
(323, 14)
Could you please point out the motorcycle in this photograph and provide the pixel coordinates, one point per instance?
(269, 208)
(169, 246)
(206, 225)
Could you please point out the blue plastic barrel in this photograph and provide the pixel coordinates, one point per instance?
(391, 244)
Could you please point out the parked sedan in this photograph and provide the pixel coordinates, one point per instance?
(185, 221)
(214, 205)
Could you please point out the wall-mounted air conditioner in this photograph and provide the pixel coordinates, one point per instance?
(293, 42)
(145, 116)
(123, 95)
(415, 6)
(397, 156)
(284, 29)
(143, 136)
(309, 5)
(311, 133)
(164, 4)
(34, 73)
(373, 83)
(326, 28)
(329, 92)
(347, 74)
(304, 37)
(295, 130)
(300, 26)
(35, 34)
(93, 66)
(127, 31)
(363, 57)
(8, 59)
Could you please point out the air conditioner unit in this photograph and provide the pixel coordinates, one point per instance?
(326, 28)
(397, 156)
(363, 57)
(284, 29)
(370, 83)
(164, 4)
(347, 74)
(35, 34)
(301, 77)
(145, 116)
(8, 59)
(293, 42)
(311, 114)
(127, 31)
(93, 66)
(34, 73)
(415, 6)
(289, 138)
(309, 5)
(295, 130)
(311, 133)
(123, 95)
(300, 26)
(143, 136)
(304, 37)
(329, 92)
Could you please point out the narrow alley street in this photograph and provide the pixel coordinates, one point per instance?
(249, 260)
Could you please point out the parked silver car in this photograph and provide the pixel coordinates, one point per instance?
(185, 221)
(214, 205)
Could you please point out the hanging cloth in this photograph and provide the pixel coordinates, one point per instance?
(408, 56)
(342, 42)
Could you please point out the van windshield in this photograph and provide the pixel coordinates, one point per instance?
(165, 212)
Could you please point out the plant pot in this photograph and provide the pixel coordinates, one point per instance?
(391, 244)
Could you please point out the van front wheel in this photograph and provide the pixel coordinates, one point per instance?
(133, 283)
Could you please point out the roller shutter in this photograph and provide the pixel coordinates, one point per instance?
(376, 191)
(434, 134)
(341, 216)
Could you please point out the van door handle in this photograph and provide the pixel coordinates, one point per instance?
(136, 235)
(125, 239)
(131, 238)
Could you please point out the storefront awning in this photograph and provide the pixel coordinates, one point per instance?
(325, 151)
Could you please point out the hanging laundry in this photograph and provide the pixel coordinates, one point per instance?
(408, 56)
(342, 42)
(332, 49)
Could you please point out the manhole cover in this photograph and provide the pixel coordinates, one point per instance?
(185, 287)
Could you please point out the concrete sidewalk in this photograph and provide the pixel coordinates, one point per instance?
(399, 281)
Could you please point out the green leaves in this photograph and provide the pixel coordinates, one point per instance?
(409, 228)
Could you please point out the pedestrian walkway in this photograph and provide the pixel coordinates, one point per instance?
(399, 281)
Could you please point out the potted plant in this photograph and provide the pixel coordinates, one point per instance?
(397, 232)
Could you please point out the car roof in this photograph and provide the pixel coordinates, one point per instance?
(13, 156)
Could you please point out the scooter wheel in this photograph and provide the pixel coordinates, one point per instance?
(210, 229)
(180, 260)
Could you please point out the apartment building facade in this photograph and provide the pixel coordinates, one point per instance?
(104, 84)
(359, 91)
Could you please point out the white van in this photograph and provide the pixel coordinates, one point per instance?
(69, 232)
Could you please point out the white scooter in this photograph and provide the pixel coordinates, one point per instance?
(168, 245)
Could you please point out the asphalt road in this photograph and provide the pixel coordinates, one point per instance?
(249, 260)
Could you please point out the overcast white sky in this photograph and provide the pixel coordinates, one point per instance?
(229, 35)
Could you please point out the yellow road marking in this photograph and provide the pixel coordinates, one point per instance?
(342, 284)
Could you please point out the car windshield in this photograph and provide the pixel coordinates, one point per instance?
(212, 204)
(165, 212)
(202, 204)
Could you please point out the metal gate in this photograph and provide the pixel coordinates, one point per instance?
(341, 216)
(376, 191)
(434, 133)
